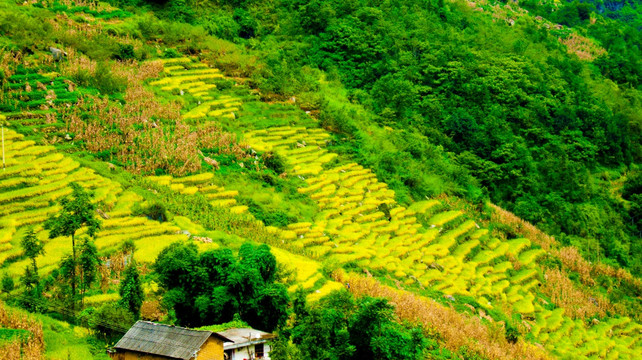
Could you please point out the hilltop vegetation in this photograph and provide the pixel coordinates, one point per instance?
(366, 143)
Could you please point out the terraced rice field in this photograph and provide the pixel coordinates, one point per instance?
(31, 96)
(36, 177)
(359, 222)
(303, 147)
(189, 77)
(201, 183)
(308, 272)
(36, 121)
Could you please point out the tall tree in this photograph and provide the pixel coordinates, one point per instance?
(131, 291)
(88, 261)
(77, 211)
(32, 247)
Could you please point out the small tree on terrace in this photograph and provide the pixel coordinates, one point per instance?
(131, 291)
(32, 247)
(77, 211)
(88, 262)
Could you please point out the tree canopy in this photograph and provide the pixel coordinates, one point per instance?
(210, 287)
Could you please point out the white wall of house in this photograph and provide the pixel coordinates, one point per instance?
(249, 352)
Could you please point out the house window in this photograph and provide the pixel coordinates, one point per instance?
(259, 351)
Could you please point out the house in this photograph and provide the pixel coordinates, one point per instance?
(247, 344)
(151, 341)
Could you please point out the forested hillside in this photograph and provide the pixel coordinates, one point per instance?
(367, 179)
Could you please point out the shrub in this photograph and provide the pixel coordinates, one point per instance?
(223, 84)
(125, 52)
(179, 10)
(170, 53)
(247, 23)
(106, 82)
(274, 162)
(222, 25)
(155, 211)
(511, 334)
(7, 283)
(108, 317)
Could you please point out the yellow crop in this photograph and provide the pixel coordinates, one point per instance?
(326, 289)
(183, 60)
(147, 249)
(101, 298)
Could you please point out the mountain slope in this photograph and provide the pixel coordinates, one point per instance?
(346, 179)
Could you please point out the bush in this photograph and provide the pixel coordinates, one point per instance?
(512, 334)
(109, 316)
(102, 79)
(125, 52)
(247, 24)
(179, 10)
(156, 212)
(105, 81)
(7, 283)
(170, 53)
(222, 25)
(224, 84)
(274, 162)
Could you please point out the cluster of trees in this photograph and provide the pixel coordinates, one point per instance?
(215, 285)
(342, 327)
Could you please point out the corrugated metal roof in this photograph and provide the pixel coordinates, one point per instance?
(164, 340)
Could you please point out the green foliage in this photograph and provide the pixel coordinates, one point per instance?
(236, 323)
(154, 211)
(632, 186)
(511, 334)
(170, 53)
(108, 319)
(88, 262)
(32, 247)
(274, 162)
(340, 327)
(7, 335)
(246, 22)
(77, 211)
(213, 286)
(7, 283)
(222, 25)
(125, 52)
(282, 348)
(179, 10)
(574, 13)
(30, 278)
(131, 291)
(470, 115)
(377, 336)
